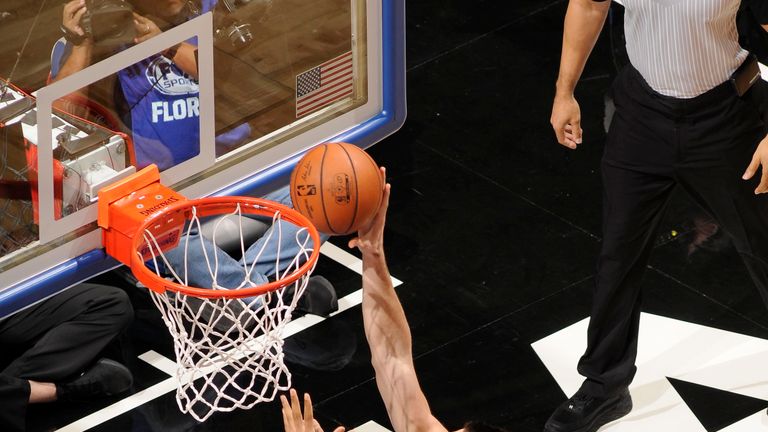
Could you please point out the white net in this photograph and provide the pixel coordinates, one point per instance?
(229, 351)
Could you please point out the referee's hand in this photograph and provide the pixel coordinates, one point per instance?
(566, 120)
(759, 158)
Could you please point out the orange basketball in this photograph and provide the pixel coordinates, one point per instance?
(338, 187)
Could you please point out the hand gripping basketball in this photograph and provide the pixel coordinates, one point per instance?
(370, 238)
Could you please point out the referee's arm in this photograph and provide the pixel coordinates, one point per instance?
(760, 157)
(583, 22)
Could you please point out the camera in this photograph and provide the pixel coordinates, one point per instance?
(108, 22)
(239, 34)
(230, 28)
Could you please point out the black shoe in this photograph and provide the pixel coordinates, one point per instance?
(585, 413)
(319, 298)
(105, 378)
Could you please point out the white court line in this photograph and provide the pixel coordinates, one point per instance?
(169, 366)
(371, 426)
(160, 361)
(122, 407)
(669, 347)
(342, 257)
(348, 260)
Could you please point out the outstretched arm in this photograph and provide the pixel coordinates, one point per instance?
(389, 337)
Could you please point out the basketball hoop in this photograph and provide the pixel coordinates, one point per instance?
(228, 341)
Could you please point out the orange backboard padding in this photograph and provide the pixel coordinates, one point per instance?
(127, 204)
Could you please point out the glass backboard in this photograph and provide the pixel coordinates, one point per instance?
(224, 96)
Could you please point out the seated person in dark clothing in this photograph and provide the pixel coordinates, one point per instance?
(63, 337)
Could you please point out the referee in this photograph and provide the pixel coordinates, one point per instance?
(688, 115)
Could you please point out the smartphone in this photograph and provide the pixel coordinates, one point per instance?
(746, 75)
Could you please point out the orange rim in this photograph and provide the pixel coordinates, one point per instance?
(221, 205)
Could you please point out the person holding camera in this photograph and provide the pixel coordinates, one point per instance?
(688, 114)
(156, 98)
(159, 101)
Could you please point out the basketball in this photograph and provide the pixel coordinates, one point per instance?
(338, 187)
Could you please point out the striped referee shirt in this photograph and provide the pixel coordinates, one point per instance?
(683, 48)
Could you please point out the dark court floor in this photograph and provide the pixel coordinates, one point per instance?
(493, 230)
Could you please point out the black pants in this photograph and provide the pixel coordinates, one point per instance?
(60, 337)
(14, 394)
(655, 144)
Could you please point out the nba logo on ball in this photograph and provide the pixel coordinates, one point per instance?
(306, 190)
(338, 187)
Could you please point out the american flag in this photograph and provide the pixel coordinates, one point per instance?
(324, 84)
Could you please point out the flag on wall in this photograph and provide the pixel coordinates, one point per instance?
(324, 84)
